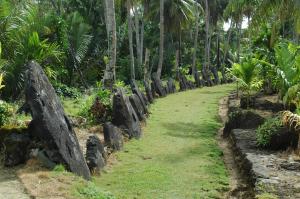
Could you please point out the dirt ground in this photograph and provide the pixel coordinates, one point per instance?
(238, 185)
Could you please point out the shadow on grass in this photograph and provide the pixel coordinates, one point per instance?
(206, 129)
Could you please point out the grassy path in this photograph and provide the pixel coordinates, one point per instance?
(178, 155)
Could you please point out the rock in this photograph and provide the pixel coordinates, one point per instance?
(145, 98)
(283, 139)
(242, 119)
(182, 82)
(198, 81)
(171, 86)
(148, 92)
(137, 106)
(16, 149)
(135, 90)
(261, 104)
(95, 154)
(153, 90)
(159, 89)
(50, 124)
(291, 166)
(124, 115)
(113, 136)
(167, 90)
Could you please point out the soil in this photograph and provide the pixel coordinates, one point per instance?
(10, 185)
(239, 188)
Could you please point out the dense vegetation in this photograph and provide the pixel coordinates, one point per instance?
(80, 43)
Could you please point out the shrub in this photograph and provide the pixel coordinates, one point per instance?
(92, 192)
(59, 168)
(6, 111)
(265, 132)
(65, 91)
(98, 107)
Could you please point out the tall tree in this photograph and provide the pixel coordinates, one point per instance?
(110, 71)
(206, 65)
(194, 67)
(161, 42)
(129, 23)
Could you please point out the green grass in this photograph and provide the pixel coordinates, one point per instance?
(178, 156)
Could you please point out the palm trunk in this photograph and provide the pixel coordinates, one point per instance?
(177, 63)
(161, 43)
(138, 39)
(206, 64)
(110, 71)
(239, 40)
(194, 68)
(226, 47)
(129, 23)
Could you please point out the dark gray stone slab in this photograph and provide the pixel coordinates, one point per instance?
(158, 87)
(95, 154)
(16, 148)
(148, 92)
(135, 89)
(124, 115)
(171, 86)
(113, 136)
(50, 124)
(137, 106)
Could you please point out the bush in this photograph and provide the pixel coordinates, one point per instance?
(6, 111)
(65, 91)
(266, 131)
(92, 192)
(98, 107)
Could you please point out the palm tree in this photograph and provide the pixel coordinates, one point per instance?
(129, 23)
(177, 15)
(194, 67)
(110, 71)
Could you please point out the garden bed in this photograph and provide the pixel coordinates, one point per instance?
(272, 174)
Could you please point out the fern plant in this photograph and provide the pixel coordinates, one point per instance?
(246, 75)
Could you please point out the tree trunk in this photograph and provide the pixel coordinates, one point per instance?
(129, 23)
(226, 47)
(177, 63)
(194, 67)
(161, 43)
(138, 39)
(110, 71)
(239, 40)
(205, 72)
(146, 65)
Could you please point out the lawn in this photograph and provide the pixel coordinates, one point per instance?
(178, 156)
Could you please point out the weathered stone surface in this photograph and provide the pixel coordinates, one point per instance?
(242, 119)
(198, 81)
(261, 104)
(283, 139)
(135, 89)
(124, 115)
(171, 86)
(159, 89)
(113, 136)
(268, 171)
(153, 90)
(183, 84)
(16, 148)
(137, 106)
(50, 124)
(145, 98)
(95, 154)
(148, 92)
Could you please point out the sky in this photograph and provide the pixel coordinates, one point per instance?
(244, 24)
